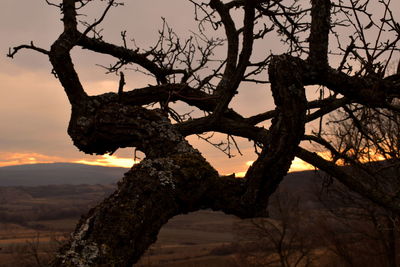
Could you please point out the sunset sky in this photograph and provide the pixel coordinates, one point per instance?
(34, 110)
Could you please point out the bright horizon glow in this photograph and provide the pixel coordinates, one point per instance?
(300, 165)
(12, 159)
(297, 166)
(110, 161)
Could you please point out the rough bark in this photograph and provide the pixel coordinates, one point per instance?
(174, 178)
(286, 132)
(119, 230)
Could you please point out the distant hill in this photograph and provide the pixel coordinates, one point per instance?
(75, 174)
(58, 174)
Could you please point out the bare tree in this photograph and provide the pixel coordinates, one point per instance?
(356, 230)
(282, 240)
(366, 141)
(174, 178)
(35, 252)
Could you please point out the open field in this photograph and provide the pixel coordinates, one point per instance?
(37, 219)
(197, 237)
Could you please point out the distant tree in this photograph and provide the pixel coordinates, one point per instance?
(174, 178)
(284, 240)
(366, 141)
(356, 230)
(35, 252)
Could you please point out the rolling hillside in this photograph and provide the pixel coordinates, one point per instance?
(58, 174)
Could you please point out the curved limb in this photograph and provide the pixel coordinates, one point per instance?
(286, 131)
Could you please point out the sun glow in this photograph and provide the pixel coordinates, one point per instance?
(297, 165)
(109, 161)
(300, 165)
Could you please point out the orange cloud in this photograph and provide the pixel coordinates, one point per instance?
(17, 158)
(9, 158)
